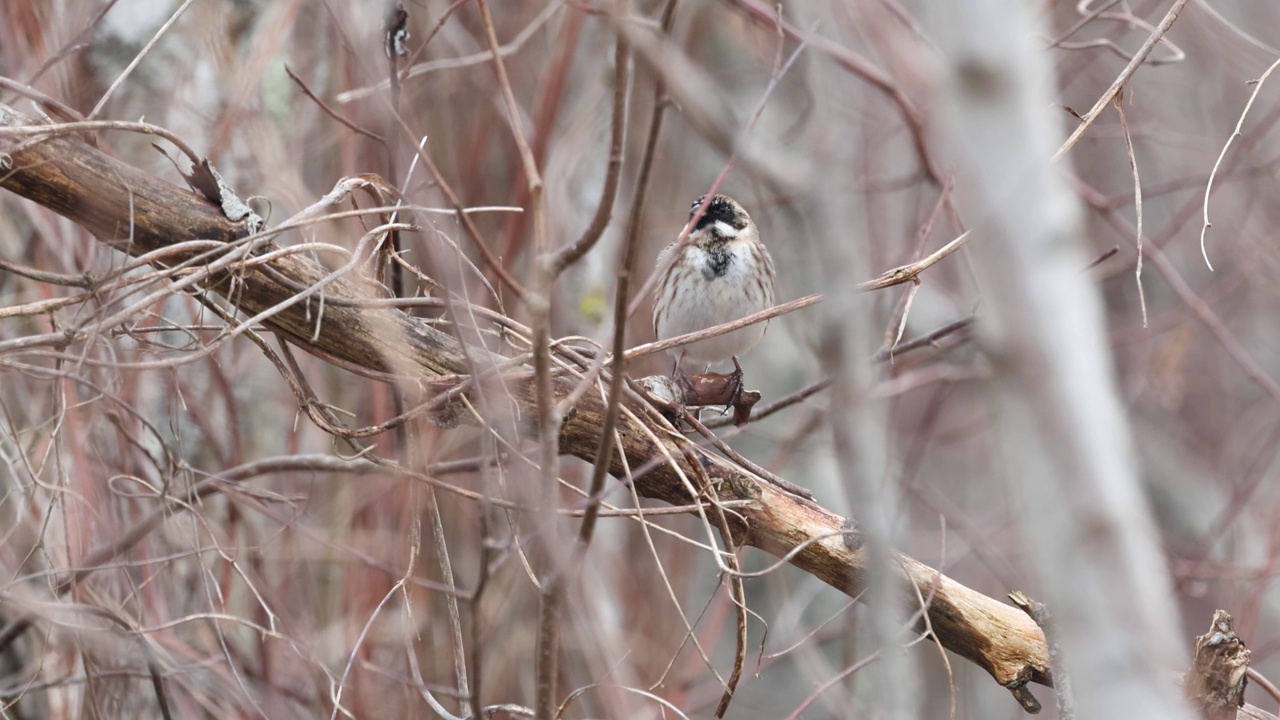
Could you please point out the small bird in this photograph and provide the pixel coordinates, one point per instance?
(724, 272)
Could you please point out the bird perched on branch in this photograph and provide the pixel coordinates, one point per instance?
(722, 273)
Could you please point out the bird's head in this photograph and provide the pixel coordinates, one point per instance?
(723, 219)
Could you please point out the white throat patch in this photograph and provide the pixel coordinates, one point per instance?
(725, 229)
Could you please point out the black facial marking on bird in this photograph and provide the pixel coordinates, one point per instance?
(720, 209)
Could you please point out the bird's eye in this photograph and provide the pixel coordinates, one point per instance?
(694, 207)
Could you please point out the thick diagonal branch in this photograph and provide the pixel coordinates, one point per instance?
(135, 213)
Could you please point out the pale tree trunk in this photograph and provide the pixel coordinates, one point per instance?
(1064, 435)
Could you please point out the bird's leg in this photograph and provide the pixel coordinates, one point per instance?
(681, 379)
(676, 372)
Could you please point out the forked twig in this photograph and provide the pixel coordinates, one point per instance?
(1121, 79)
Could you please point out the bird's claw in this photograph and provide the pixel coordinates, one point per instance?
(736, 378)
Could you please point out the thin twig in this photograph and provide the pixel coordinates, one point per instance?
(1137, 204)
(1121, 79)
(1089, 16)
(827, 684)
(84, 281)
(451, 602)
(738, 596)
(1105, 256)
(765, 13)
(66, 112)
(735, 456)
(898, 319)
(137, 59)
(570, 254)
(928, 339)
(491, 261)
(75, 44)
(1264, 683)
(324, 107)
(625, 270)
(88, 125)
(882, 355)
(404, 74)
(1197, 305)
(1208, 188)
(460, 62)
(1127, 19)
(548, 419)
(41, 307)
